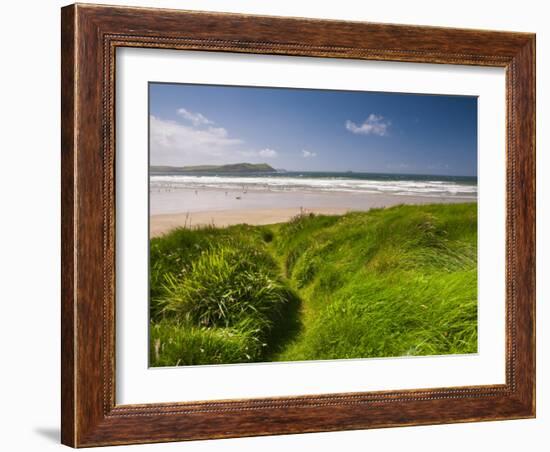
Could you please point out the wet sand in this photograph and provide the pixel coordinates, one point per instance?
(190, 208)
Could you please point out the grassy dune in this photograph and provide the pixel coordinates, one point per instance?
(388, 282)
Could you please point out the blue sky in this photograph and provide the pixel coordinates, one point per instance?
(316, 130)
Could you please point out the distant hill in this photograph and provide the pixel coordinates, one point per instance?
(235, 168)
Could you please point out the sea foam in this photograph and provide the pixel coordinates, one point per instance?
(400, 186)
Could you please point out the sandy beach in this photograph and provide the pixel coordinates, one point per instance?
(160, 224)
(194, 208)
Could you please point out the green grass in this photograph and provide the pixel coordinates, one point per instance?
(387, 282)
(217, 297)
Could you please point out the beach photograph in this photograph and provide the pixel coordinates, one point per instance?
(303, 224)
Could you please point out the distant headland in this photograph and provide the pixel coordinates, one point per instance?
(235, 168)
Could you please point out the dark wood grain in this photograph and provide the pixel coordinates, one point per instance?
(90, 36)
(67, 226)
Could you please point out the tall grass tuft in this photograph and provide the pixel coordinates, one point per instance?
(388, 282)
(224, 292)
(223, 286)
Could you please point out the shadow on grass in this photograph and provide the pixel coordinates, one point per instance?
(286, 329)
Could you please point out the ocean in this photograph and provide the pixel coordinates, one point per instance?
(432, 186)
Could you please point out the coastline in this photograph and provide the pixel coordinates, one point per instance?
(212, 207)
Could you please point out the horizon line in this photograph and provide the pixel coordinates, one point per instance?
(318, 171)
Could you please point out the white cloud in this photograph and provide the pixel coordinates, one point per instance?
(373, 125)
(219, 132)
(197, 119)
(173, 143)
(308, 154)
(179, 144)
(268, 153)
(261, 154)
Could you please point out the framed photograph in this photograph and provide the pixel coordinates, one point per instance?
(282, 225)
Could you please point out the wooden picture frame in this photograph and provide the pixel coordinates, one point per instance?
(90, 36)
